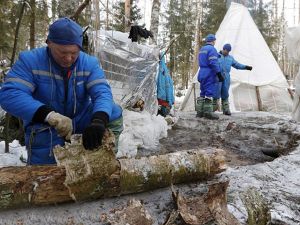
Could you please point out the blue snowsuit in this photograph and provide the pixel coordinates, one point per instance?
(36, 80)
(209, 67)
(164, 88)
(226, 62)
(165, 83)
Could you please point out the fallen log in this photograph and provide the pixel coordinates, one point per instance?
(82, 175)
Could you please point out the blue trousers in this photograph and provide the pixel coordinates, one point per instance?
(208, 84)
(222, 88)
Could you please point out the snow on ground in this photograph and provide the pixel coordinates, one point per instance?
(141, 129)
(278, 181)
(13, 158)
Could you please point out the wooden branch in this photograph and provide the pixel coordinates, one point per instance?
(259, 103)
(75, 16)
(83, 175)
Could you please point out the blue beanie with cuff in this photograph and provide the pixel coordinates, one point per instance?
(227, 47)
(65, 31)
(210, 38)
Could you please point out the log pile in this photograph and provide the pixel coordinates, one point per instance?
(82, 175)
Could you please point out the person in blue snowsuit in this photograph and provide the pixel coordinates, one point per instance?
(165, 95)
(209, 75)
(226, 61)
(57, 91)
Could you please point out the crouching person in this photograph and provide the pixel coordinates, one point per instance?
(57, 91)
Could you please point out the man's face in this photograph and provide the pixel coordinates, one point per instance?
(64, 55)
(225, 52)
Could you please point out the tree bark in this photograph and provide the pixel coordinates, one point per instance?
(7, 116)
(202, 208)
(155, 19)
(32, 24)
(83, 175)
(197, 39)
(75, 16)
(257, 208)
(127, 15)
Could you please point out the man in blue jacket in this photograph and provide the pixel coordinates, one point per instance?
(209, 75)
(226, 62)
(57, 91)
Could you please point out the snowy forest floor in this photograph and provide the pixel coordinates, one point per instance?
(243, 136)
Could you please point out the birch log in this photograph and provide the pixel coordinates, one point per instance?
(82, 175)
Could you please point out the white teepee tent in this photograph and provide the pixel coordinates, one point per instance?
(265, 87)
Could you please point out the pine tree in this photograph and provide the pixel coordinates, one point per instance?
(8, 13)
(213, 16)
(119, 12)
(181, 20)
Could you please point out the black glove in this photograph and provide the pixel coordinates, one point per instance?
(220, 76)
(93, 134)
(248, 68)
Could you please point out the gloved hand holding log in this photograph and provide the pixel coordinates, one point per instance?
(61, 123)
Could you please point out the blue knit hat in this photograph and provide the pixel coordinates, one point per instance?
(210, 38)
(65, 31)
(227, 47)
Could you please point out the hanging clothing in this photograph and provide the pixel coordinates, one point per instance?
(165, 94)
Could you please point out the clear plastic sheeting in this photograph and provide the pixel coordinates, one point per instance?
(292, 41)
(265, 83)
(130, 68)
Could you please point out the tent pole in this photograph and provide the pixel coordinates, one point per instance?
(259, 103)
(195, 101)
(291, 93)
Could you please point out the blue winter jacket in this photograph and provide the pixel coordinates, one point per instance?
(165, 83)
(226, 62)
(209, 67)
(36, 80)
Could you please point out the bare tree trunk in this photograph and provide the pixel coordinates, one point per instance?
(32, 24)
(107, 14)
(79, 10)
(7, 116)
(97, 15)
(197, 39)
(127, 16)
(155, 19)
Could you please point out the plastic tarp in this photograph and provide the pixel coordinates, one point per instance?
(250, 48)
(130, 68)
(292, 41)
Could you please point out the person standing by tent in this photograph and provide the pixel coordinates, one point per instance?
(59, 90)
(165, 95)
(226, 61)
(209, 75)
